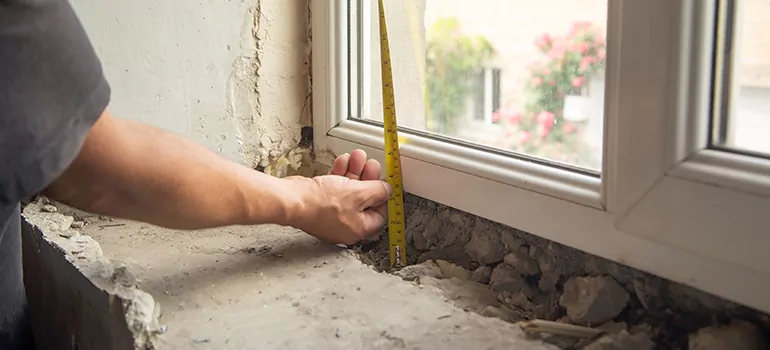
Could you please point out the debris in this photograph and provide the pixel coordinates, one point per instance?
(450, 270)
(593, 300)
(485, 245)
(543, 326)
(504, 278)
(78, 224)
(413, 272)
(522, 263)
(737, 336)
(49, 208)
(494, 311)
(465, 294)
(622, 341)
(482, 274)
(456, 254)
(548, 281)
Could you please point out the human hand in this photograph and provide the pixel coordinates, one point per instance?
(347, 205)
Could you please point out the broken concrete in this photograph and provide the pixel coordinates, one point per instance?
(537, 279)
(77, 298)
(277, 288)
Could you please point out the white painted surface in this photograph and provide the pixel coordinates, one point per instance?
(192, 67)
(664, 204)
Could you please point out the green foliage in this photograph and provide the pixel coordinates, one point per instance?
(452, 60)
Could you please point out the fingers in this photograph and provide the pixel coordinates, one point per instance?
(355, 166)
(340, 166)
(372, 170)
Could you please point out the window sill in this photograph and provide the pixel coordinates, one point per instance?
(554, 204)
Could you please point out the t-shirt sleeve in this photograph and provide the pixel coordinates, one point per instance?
(52, 91)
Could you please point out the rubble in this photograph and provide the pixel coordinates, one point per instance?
(521, 277)
(622, 341)
(482, 274)
(593, 300)
(736, 336)
(413, 272)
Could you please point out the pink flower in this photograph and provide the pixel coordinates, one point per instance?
(546, 71)
(537, 81)
(546, 119)
(513, 117)
(585, 63)
(551, 82)
(577, 82)
(557, 51)
(524, 137)
(543, 41)
(568, 128)
(600, 54)
(542, 131)
(583, 47)
(496, 116)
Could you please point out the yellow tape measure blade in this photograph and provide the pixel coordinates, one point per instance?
(396, 222)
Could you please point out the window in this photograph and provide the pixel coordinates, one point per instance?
(628, 129)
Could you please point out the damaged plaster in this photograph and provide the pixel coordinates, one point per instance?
(268, 89)
(233, 76)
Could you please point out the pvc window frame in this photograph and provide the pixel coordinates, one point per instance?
(666, 202)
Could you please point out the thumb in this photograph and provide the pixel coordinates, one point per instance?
(372, 193)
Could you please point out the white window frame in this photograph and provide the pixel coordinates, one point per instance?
(665, 203)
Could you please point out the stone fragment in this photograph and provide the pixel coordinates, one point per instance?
(510, 241)
(467, 295)
(517, 300)
(49, 208)
(493, 311)
(522, 262)
(413, 272)
(593, 300)
(426, 232)
(78, 224)
(449, 270)
(455, 254)
(485, 245)
(548, 281)
(622, 341)
(482, 274)
(504, 278)
(737, 336)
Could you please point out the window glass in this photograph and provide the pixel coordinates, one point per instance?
(519, 76)
(743, 114)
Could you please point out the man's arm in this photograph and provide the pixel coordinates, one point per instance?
(131, 170)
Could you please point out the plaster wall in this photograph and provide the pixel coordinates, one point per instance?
(232, 75)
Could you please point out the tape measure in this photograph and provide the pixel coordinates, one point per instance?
(396, 221)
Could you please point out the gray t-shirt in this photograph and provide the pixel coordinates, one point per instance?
(52, 90)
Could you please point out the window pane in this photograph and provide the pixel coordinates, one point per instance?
(744, 119)
(521, 76)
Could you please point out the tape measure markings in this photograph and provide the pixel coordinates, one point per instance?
(396, 222)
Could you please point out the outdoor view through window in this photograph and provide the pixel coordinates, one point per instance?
(528, 77)
(745, 123)
(518, 75)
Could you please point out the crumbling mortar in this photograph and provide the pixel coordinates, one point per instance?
(530, 277)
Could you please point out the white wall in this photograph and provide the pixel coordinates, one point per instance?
(209, 70)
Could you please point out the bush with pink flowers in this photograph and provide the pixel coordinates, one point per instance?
(538, 128)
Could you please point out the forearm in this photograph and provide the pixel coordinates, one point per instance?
(134, 171)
